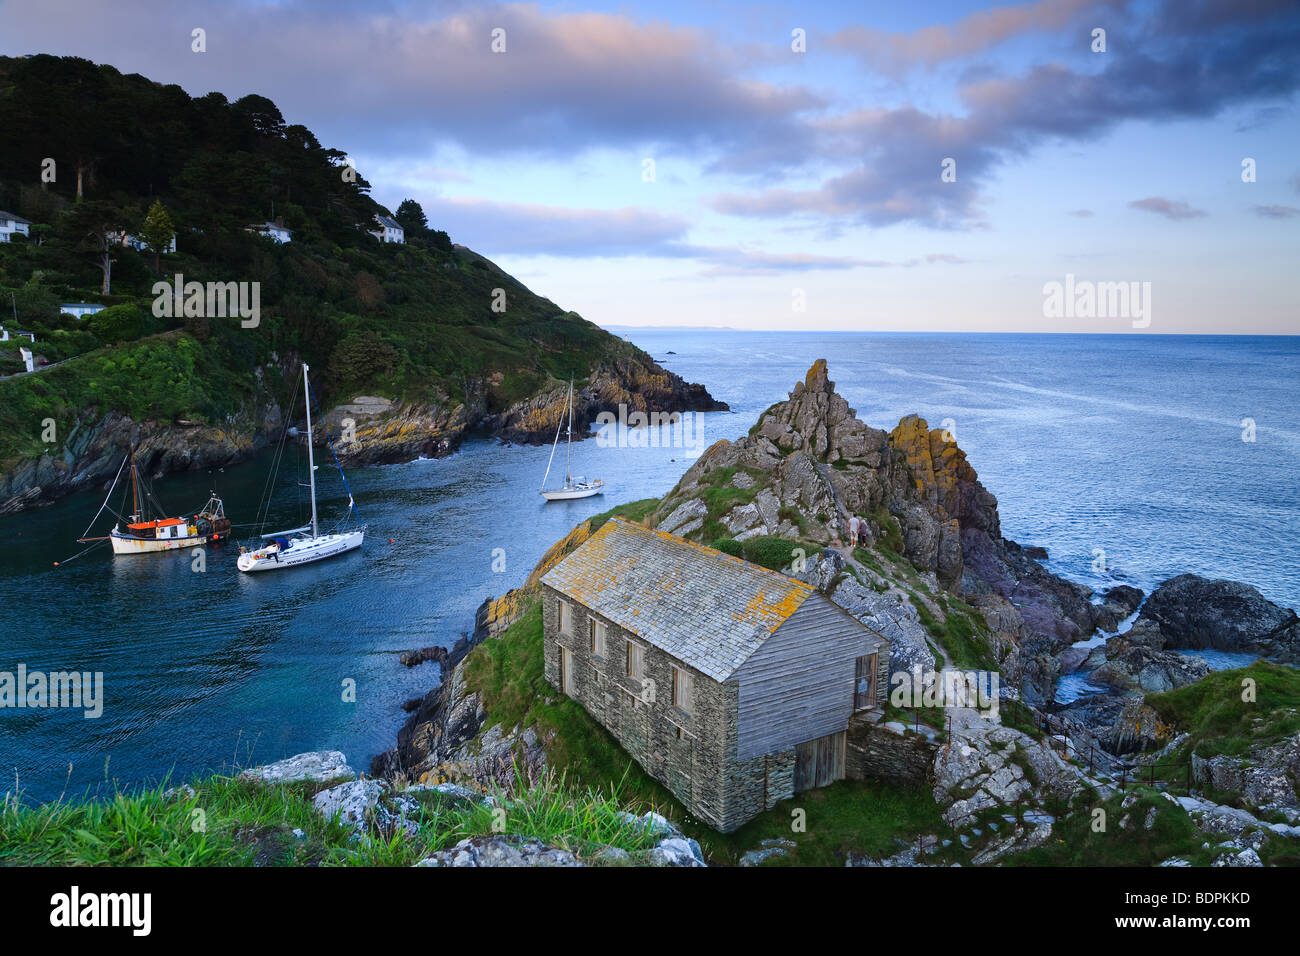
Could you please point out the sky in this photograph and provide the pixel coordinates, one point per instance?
(856, 166)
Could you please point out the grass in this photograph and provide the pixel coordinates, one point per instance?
(636, 511)
(508, 675)
(888, 532)
(860, 817)
(1212, 710)
(769, 551)
(961, 633)
(233, 822)
(1076, 842)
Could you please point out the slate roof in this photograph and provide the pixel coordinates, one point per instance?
(707, 609)
(390, 222)
(14, 216)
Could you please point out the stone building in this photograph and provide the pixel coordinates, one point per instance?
(731, 684)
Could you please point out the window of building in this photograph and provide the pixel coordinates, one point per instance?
(683, 689)
(864, 683)
(635, 661)
(597, 638)
(566, 617)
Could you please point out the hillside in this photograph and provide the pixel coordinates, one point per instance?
(412, 325)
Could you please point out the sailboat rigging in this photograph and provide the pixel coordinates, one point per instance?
(295, 546)
(574, 486)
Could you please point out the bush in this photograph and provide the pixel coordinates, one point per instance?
(122, 323)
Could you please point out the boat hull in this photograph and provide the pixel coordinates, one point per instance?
(568, 494)
(303, 551)
(124, 544)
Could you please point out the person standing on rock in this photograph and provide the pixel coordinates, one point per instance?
(853, 531)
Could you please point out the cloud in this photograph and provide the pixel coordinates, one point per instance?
(1081, 213)
(1169, 208)
(975, 33)
(1220, 55)
(397, 78)
(1277, 212)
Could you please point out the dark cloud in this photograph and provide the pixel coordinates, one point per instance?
(1169, 208)
(1277, 212)
(1223, 55)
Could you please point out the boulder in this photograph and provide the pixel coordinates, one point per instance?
(353, 803)
(1199, 613)
(501, 850)
(318, 766)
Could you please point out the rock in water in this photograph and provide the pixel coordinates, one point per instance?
(1198, 613)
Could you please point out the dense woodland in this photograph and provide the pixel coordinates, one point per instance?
(412, 321)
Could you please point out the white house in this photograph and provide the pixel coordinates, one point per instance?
(11, 223)
(272, 229)
(390, 230)
(81, 309)
(139, 244)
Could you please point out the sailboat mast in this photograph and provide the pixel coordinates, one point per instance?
(568, 449)
(135, 491)
(311, 461)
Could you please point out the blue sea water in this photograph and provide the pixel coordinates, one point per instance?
(1122, 455)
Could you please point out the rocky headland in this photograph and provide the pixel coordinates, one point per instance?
(939, 579)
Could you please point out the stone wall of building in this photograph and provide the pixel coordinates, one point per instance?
(690, 754)
(874, 751)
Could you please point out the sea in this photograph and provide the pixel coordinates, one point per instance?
(1130, 458)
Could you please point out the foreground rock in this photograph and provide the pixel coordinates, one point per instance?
(501, 850)
(1197, 613)
(319, 766)
(994, 782)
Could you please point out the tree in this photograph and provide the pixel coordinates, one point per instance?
(157, 232)
(410, 216)
(97, 225)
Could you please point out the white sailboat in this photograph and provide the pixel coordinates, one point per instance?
(287, 549)
(575, 486)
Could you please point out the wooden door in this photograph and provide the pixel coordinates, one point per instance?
(819, 762)
(566, 671)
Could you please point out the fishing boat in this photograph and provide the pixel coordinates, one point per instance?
(304, 545)
(144, 530)
(575, 486)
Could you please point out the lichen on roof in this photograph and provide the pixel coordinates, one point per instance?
(708, 609)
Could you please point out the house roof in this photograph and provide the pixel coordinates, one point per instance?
(390, 222)
(270, 225)
(14, 216)
(82, 305)
(708, 609)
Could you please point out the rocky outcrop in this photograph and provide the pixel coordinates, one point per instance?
(369, 429)
(636, 383)
(1197, 613)
(1116, 605)
(809, 464)
(1134, 662)
(987, 769)
(96, 445)
(1268, 777)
